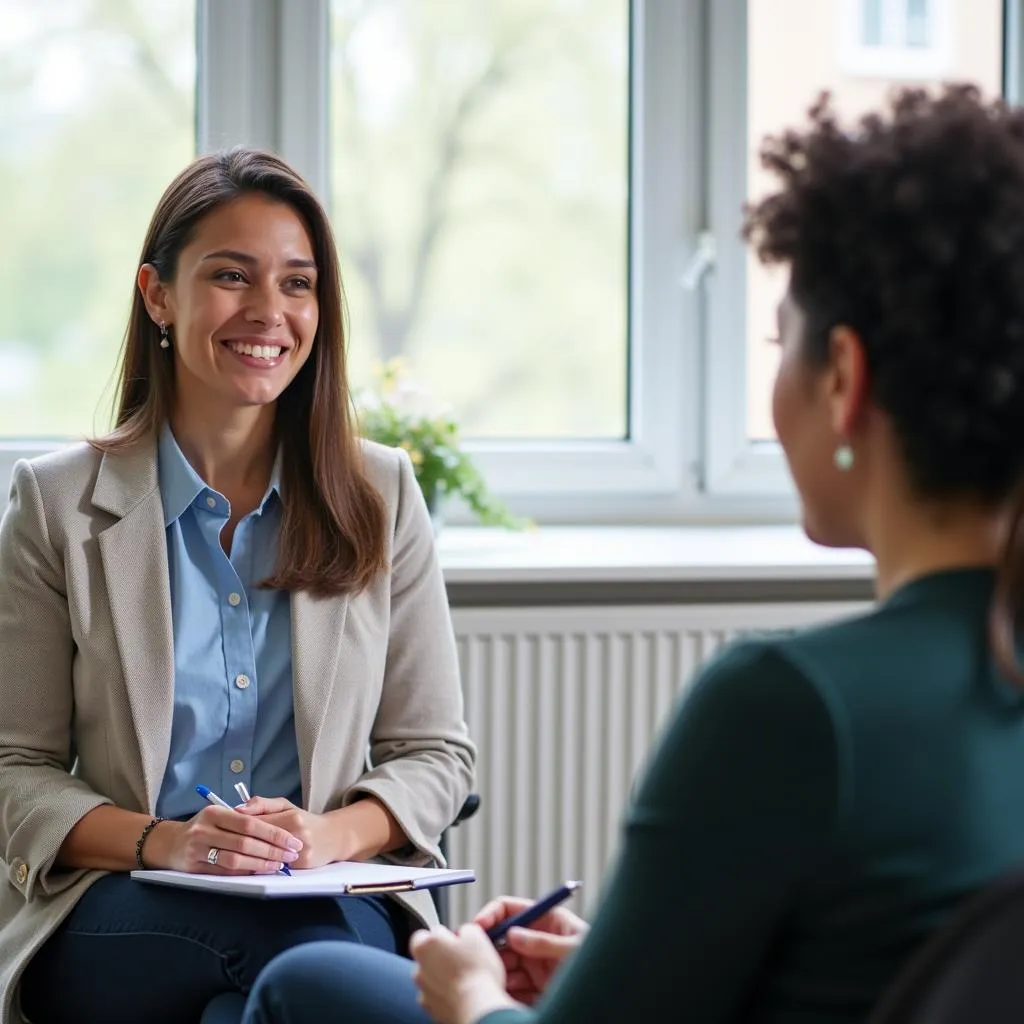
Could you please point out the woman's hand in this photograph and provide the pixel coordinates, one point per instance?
(246, 845)
(316, 832)
(532, 955)
(460, 977)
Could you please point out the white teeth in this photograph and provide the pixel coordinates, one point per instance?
(257, 351)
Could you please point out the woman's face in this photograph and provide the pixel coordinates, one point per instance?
(242, 307)
(804, 404)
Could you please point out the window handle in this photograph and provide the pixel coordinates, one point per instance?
(701, 262)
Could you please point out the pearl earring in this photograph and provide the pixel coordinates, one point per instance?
(165, 342)
(843, 458)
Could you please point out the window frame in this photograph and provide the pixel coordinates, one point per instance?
(688, 457)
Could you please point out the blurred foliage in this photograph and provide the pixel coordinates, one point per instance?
(480, 197)
(397, 412)
(96, 116)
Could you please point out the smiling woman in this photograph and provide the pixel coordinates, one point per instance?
(194, 600)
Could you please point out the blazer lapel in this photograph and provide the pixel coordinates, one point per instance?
(318, 625)
(134, 555)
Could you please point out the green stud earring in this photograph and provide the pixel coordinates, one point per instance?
(843, 458)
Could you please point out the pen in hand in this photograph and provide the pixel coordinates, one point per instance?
(208, 794)
(531, 913)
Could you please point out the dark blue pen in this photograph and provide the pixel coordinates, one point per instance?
(208, 794)
(532, 912)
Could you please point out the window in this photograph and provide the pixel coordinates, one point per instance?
(97, 113)
(742, 455)
(537, 203)
(900, 39)
(480, 195)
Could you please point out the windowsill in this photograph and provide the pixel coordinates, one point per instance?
(640, 554)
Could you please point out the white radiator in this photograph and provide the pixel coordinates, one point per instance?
(564, 704)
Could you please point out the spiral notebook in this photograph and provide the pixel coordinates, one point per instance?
(346, 878)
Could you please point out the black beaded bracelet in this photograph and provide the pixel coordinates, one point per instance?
(142, 839)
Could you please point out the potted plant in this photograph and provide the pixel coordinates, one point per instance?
(397, 412)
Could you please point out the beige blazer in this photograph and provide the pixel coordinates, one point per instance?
(87, 678)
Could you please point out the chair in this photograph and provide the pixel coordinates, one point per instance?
(970, 972)
(441, 895)
(228, 1008)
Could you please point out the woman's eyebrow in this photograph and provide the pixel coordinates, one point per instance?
(250, 260)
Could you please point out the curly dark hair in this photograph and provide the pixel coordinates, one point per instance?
(909, 228)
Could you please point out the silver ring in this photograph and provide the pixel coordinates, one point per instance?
(211, 857)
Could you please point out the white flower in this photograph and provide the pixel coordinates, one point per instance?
(411, 400)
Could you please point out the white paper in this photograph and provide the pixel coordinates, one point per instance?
(330, 880)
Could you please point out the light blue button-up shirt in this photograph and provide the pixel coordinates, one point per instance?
(233, 713)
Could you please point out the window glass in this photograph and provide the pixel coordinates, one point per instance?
(97, 114)
(480, 193)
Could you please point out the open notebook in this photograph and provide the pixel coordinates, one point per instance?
(346, 878)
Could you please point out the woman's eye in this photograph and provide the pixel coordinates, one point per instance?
(302, 283)
(231, 276)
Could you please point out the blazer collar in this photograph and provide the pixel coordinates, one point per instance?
(127, 479)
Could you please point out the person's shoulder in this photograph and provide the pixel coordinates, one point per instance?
(836, 653)
(379, 459)
(68, 469)
(383, 467)
(756, 668)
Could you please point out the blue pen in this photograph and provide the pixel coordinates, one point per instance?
(208, 794)
(532, 912)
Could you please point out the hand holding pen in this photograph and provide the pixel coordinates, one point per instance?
(221, 840)
(534, 937)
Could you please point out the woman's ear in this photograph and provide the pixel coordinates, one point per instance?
(154, 294)
(847, 379)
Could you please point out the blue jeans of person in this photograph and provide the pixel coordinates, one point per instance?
(131, 952)
(335, 983)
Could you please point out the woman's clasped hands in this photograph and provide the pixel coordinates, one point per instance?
(462, 977)
(245, 844)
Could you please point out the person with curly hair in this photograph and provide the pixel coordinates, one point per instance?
(822, 801)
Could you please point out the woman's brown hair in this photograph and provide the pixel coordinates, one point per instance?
(332, 538)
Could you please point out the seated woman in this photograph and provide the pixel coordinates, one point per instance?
(821, 801)
(229, 588)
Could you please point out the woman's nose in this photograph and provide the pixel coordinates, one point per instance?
(265, 307)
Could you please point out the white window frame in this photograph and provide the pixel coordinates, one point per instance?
(893, 58)
(263, 70)
(736, 468)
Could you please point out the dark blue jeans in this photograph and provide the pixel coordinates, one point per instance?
(132, 952)
(335, 983)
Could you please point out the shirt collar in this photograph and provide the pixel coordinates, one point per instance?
(180, 484)
(274, 487)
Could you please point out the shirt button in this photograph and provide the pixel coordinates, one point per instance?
(237, 766)
(234, 599)
(241, 680)
(211, 502)
(21, 874)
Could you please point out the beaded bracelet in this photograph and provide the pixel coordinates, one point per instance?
(142, 839)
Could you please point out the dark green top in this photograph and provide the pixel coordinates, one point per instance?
(819, 804)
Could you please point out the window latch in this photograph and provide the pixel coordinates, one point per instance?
(701, 262)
